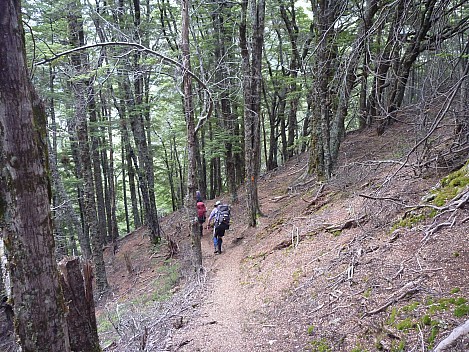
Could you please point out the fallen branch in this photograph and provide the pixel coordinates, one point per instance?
(395, 300)
(461, 330)
(318, 194)
(348, 224)
(279, 198)
(413, 289)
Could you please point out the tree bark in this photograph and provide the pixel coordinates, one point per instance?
(25, 197)
(190, 202)
(81, 318)
(252, 64)
(80, 126)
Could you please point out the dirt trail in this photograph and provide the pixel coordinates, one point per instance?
(227, 319)
(220, 324)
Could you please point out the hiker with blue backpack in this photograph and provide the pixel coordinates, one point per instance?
(221, 222)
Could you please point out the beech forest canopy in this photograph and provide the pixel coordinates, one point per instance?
(111, 77)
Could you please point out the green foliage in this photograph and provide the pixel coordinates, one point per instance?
(320, 346)
(358, 349)
(392, 317)
(406, 324)
(426, 320)
(398, 346)
(411, 307)
(433, 334)
(310, 330)
(169, 277)
(461, 310)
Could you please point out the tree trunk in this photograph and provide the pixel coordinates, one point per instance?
(82, 96)
(7, 333)
(349, 82)
(25, 197)
(321, 158)
(251, 65)
(81, 318)
(191, 140)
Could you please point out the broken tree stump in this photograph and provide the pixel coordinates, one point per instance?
(78, 296)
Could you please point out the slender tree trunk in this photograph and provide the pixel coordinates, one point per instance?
(169, 171)
(191, 139)
(252, 64)
(96, 163)
(124, 189)
(338, 128)
(81, 91)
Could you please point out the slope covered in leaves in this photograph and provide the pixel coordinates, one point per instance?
(376, 259)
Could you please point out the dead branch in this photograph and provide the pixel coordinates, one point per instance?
(295, 234)
(458, 202)
(279, 198)
(395, 300)
(291, 188)
(318, 193)
(461, 330)
(395, 200)
(348, 224)
(409, 288)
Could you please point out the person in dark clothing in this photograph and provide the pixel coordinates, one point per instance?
(218, 237)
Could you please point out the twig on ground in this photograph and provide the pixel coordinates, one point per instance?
(295, 231)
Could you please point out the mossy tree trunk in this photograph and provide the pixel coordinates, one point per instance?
(25, 198)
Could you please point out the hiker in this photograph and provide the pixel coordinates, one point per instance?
(198, 196)
(221, 222)
(201, 215)
(211, 223)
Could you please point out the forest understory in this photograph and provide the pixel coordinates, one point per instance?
(372, 260)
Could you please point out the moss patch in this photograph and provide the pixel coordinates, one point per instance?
(451, 185)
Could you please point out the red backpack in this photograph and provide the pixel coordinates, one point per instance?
(201, 212)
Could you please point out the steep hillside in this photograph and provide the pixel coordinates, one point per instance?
(365, 262)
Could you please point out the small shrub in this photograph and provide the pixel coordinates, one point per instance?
(310, 330)
(406, 324)
(461, 310)
(320, 346)
(426, 320)
(358, 349)
(433, 334)
(460, 301)
(455, 290)
(400, 347)
(411, 307)
(392, 316)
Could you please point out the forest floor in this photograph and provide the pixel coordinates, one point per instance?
(360, 263)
